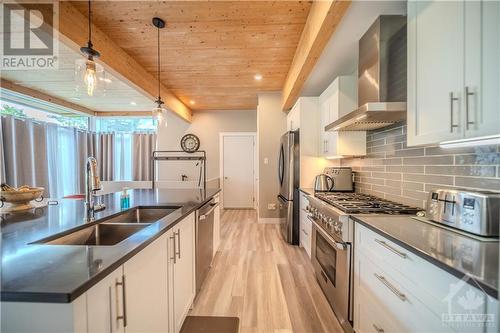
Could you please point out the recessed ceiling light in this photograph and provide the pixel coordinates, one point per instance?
(192, 102)
(105, 79)
(257, 77)
(133, 103)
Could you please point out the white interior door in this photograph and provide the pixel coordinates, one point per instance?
(238, 171)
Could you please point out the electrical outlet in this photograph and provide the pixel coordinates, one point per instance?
(271, 206)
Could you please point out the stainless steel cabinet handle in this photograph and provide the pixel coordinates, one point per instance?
(390, 248)
(110, 311)
(378, 329)
(174, 258)
(452, 100)
(179, 243)
(389, 286)
(124, 302)
(467, 94)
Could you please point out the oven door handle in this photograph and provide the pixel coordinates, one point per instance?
(338, 245)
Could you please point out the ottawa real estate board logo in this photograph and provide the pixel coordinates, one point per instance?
(29, 35)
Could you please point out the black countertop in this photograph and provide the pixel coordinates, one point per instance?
(61, 273)
(457, 254)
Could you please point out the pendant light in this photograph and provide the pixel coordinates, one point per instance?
(159, 111)
(90, 68)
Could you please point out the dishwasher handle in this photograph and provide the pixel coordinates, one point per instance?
(204, 216)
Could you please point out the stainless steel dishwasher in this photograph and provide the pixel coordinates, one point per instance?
(204, 241)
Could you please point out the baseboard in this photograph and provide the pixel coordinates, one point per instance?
(269, 220)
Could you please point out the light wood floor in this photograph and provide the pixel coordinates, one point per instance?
(267, 283)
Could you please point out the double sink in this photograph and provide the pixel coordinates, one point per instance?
(111, 230)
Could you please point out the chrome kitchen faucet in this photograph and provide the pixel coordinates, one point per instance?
(92, 184)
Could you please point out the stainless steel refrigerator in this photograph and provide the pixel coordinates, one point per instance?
(289, 180)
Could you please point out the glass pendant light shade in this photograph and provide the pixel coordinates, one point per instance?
(88, 72)
(90, 78)
(160, 116)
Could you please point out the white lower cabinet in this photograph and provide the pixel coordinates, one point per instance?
(216, 225)
(146, 289)
(397, 291)
(151, 292)
(183, 286)
(105, 304)
(305, 225)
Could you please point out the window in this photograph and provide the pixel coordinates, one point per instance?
(128, 125)
(123, 129)
(60, 117)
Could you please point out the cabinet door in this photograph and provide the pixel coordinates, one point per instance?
(324, 115)
(216, 225)
(146, 288)
(105, 304)
(435, 71)
(482, 68)
(305, 225)
(293, 117)
(184, 270)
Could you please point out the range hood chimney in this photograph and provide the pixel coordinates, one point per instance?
(381, 77)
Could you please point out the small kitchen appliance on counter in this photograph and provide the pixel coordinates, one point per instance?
(334, 179)
(475, 212)
(323, 183)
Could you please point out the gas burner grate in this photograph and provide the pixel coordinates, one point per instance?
(356, 203)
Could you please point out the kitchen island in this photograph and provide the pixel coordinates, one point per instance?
(145, 282)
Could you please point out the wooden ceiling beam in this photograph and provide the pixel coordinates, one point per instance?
(321, 23)
(5, 84)
(73, 32)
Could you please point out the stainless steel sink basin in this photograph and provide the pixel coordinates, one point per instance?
(97, 234)
(142, 215)
(111, 231)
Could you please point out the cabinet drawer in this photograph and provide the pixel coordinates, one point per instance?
(402, 306)
(372, 317)
(431, 283)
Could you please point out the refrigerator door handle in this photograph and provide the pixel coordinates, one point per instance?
(281, 165)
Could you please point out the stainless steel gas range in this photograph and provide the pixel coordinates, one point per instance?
(333, 240)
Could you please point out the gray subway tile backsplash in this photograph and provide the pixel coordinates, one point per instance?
(406, 174)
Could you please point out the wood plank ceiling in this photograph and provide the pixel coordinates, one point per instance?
(210, 50)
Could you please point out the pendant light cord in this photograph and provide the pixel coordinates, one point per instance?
(158, 66)
(90, 25)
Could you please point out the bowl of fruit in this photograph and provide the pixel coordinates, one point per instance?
(19, 198)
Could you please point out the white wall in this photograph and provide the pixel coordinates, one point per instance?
(271, 125)
(206, 125)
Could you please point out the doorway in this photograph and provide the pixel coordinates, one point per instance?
(238, 169)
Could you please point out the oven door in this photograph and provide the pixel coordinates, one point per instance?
(332, 264)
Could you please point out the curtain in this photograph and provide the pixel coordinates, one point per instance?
(143, 145)
(105, 155)
(46, 155)
(24, 153)
(54, 157)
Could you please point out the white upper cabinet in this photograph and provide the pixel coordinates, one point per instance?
(453, 70)
(482, 68)
(339, 99)
(293, 118)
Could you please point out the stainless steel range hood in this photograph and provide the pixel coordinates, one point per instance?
(381, 77)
